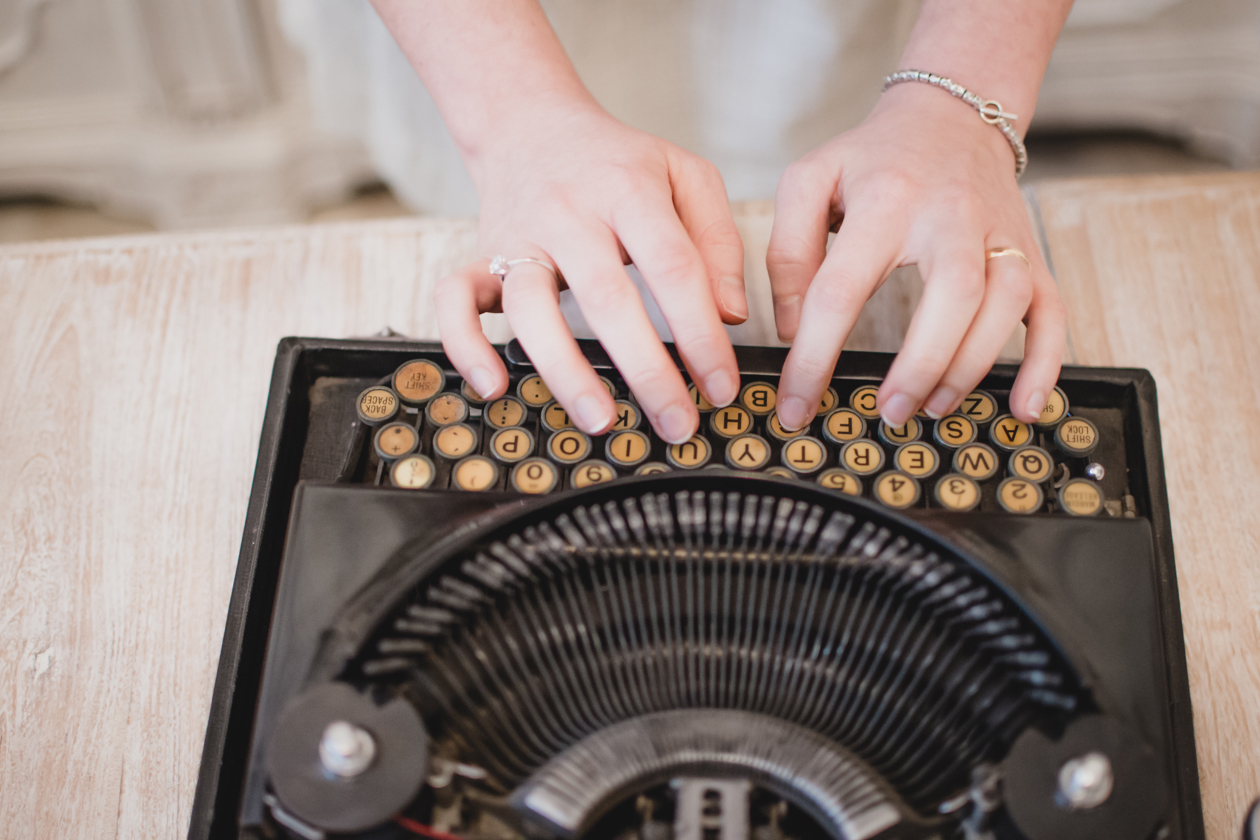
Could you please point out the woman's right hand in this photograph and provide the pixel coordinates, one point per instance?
(574, 187)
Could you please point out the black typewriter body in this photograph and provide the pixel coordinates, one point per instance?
(706, 653)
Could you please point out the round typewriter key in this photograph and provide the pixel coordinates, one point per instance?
(747, 452)
(591, 472)
(415, 472)
(842, 480)
(454, 442)
(555, 418)
(651, 468)
(512, 445)
(1055, 410)
(1081, 497)
(395, 440)
(418, 381)
(775, 429)
(476, 472)
(731, 421)
(863, 401)
(446, 409)
(897, 490)
(862, 457)
(1076, 436)
(698, 398)
(897, 435)
(535, 476)
(843, 425)
(1018, 495)
(608, 383)
(957, 492)
(569, 446)
(830, 399)
(980, 406)
(1031, 463)
(533, 391)
(628, 416)
(470, 394)
(954, 430)
(690, 455)
(377, 405)
(803, 455)
(504, 412)
(1009, 434)
(976, 461)
(758, 397)
(916, 459)
(627, 449)
(780, 472)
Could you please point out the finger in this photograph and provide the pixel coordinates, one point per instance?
(532, 303)
(865, 251)
(798, 239)
(953, 289)
(611, 305)
(1008, 292)
(705, 212)
(1043, 348)
(659, 246)
(458, 300)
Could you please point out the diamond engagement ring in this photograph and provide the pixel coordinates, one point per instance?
(501, 265)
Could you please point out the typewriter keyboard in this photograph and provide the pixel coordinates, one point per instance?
(424, 428)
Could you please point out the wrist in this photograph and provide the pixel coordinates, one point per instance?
(953, 121)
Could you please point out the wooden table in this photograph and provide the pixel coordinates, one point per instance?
(133, 376)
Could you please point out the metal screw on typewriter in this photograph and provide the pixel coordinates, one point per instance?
(346, 750)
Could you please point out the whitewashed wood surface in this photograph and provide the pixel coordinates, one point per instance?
(133, 378)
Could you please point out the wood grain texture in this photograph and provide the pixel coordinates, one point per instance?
(1164, 273)
(133, 378)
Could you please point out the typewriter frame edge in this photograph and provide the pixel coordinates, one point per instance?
(214, 808)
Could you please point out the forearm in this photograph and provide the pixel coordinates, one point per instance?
(490, 65)
(997, 48)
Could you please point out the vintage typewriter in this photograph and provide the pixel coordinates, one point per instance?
(461, 618)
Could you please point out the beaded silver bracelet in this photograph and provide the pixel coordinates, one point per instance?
(990, 110)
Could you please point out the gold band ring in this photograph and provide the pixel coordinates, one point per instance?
(1007, 252)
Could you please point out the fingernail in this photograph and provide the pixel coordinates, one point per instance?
(793, 413)
(675, 423)
(787, 315)
(731, 290)
(897, 410)
(720, 388)
(592, 414)
(482, 381)
(1036, 403)
(940, 403)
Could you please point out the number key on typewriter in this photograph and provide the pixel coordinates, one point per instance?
(446, 410)
(758, 397)
(511, 445)
(957, 492)
(651, 468)
(775, 429)
(747, 452)
(533, 391)
(863, 399)
(803, 455)
(627, 449)
(1031, 463)
(954, 430)
(628, 416)
(1081, 497)
(689, 455)
(504, 413)
(395, 440)
(843, 425)
(418, 381)
(1055, 409)
(897, 435)
(979, 406)
(1076, 437)
(731, 421)
(535, 476)
(591, 472)
(916, 459)
(976, 461)
(703, 405)
(376, 405)
(1009, 434)
(1018, 495)
(897, 490)
(555, 418)
(569, 446)
(414, 472)
(862, 457)
(476, 472)
(780, 472)
(840, 479)
(454, 442)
